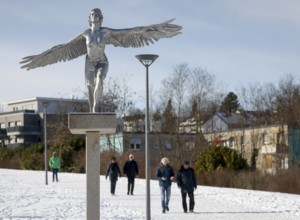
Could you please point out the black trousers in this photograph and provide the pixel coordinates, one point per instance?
(130, 186)
(192, 200)
(113, 187)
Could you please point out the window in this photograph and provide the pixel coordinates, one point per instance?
(265, 138)
(2, 125)
(135, 144)
(280, 139)
(189, 145)
(20, 140)
(12, 140)
(19, 123)
(168, 144)
(242, 140)
(285, 163)
(231, 142)
(156, 145)
(11, 124)
(119, 128)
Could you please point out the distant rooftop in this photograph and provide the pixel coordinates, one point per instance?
(44, 99)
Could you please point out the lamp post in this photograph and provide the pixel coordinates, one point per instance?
(45, 105)
(147, 60)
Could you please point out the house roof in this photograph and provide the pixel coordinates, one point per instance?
(44, 99)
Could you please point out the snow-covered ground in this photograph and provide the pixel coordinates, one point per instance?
(24, 195)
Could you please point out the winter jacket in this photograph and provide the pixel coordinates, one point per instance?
(186, 179)
(131, 168)
(113, 171)
(164, 171)
(54, 162)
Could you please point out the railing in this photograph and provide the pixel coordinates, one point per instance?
(23, 130)
(20, 144)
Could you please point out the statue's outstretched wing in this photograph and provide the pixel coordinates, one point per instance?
(67, 51)
(141, 36)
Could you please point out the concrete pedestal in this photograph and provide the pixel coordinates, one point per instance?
(92, 125)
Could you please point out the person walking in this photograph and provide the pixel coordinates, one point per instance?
(165, 175)
(186, 181)
(113, 171)
(131, 170)
(54, 163)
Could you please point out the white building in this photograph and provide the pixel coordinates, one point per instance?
(22, 124)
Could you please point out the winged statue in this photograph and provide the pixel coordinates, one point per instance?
(92, 44)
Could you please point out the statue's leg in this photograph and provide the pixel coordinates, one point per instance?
(91, 96)
(90, 74)
(98, 92)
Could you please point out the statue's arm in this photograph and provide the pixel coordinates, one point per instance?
(63, 52)
(142, 35)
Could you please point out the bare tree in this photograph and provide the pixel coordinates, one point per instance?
(261, 100)
(174, 93)
(118, 92)
(273, 103)
(205, 95)
(250, 97)
(288, 101)
(186, 87)
(202, 87)
(175, 87)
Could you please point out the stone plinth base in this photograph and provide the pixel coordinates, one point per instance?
(80, 123)
(92, 125)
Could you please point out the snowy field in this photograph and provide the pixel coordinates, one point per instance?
(24, 195)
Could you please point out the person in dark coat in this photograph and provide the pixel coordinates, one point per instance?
(113, 171)
(186, 181)
(131, 170)
(165, 175)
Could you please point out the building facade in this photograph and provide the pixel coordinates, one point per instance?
(265, 147)
(268, 148)
(23, 122)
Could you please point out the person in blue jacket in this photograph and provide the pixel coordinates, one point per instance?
(165, 175)
(113, 171)
(186, 181)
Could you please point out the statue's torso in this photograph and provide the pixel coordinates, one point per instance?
(95, 44)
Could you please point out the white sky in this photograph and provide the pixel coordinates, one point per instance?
(24, 195)
(237, 41)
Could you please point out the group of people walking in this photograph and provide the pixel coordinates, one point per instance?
(185, 179)
(165, 175)
(131, 170)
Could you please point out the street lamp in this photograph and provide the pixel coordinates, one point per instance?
(45, 105)
(147, 60)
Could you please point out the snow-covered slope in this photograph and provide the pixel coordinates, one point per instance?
(24, 195)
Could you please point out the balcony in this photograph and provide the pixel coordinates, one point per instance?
(24, 130)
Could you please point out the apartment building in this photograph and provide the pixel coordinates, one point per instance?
(22, 123)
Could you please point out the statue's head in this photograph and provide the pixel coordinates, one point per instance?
(95, 12)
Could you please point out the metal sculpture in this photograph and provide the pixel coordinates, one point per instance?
(92, 44)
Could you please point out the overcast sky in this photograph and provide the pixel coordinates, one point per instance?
(237, 41)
